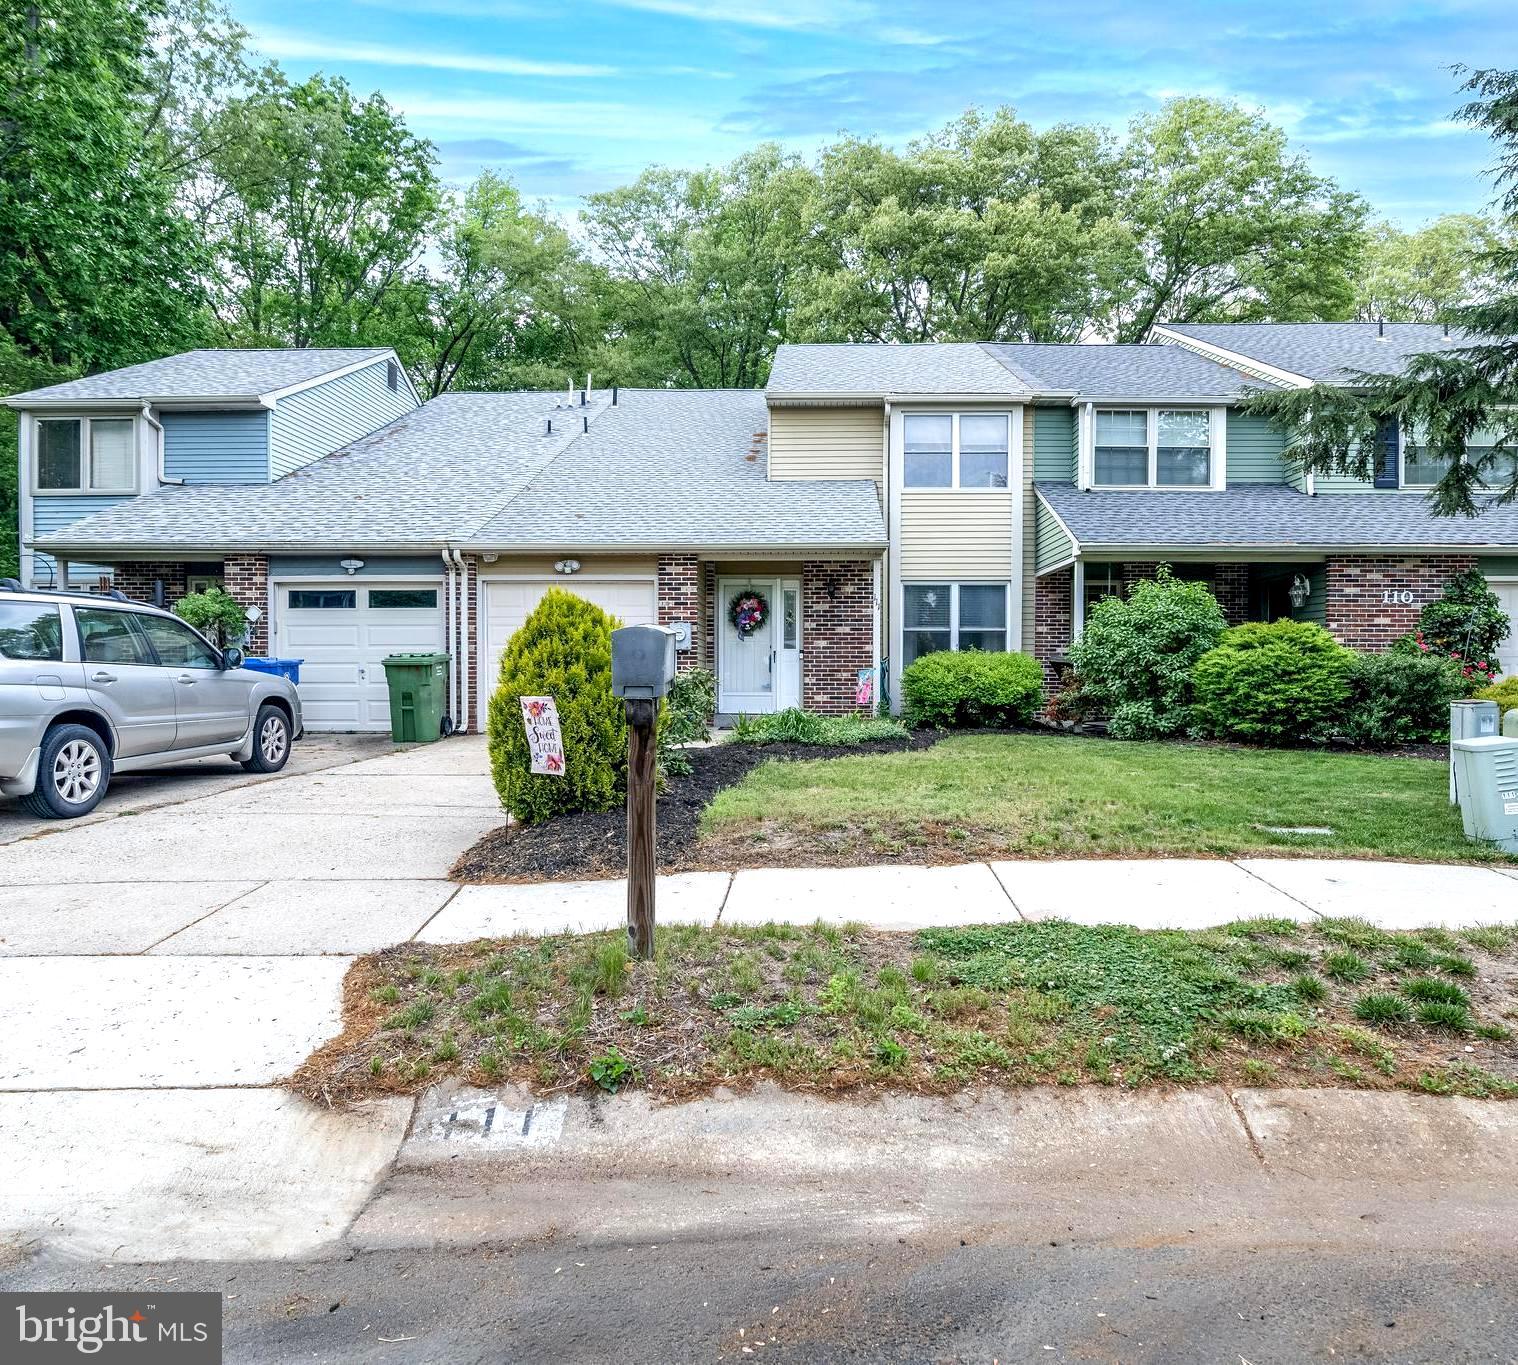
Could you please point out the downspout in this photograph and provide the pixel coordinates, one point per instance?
(465, 617)
(147, 416)
(448, 609)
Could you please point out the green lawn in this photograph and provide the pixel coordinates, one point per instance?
(1053, 796)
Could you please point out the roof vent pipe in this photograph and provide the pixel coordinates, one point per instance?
(582, 398)
(585, 429)
(548, 427)
(1381, 329)
(614, 390)
(587, 383)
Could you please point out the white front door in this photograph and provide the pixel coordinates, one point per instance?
(343, 629)
(1507, 651)
(761, 670)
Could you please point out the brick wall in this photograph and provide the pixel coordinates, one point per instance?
(837, 632)
(679, 588)
(136, 580)
(1229, 583)
(1053, 599)
(1356, 587)
(246, 579)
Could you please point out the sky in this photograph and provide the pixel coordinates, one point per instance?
(568, 99)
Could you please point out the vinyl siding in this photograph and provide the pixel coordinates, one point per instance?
(951, 534)
(216, 447)
(1054, 543)
(1315, 609)
(51, 514)
(314, 422)
(330, 566)
(1254, 450)
(1499, 566)
(827, 443)
(1023, 589)
(1054, 443)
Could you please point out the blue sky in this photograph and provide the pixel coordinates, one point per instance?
(569, 99)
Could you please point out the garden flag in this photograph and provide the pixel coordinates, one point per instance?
(545, 743)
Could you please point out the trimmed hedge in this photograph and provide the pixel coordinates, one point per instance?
(563, 651)
(972, 688)
(1282, 683)
(795, 726)
(1401, 698)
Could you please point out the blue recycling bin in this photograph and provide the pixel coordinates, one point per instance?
(281, 668)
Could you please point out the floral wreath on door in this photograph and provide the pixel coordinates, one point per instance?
(748, 611)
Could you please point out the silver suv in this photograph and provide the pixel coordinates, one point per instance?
(92, 685)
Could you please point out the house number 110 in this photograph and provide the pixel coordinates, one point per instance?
(1402, 597)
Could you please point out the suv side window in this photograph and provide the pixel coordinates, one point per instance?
(176, 644)
(110, 637)
(30, 630)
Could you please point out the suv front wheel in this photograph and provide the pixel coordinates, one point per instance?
(73, 772)
(271, 741)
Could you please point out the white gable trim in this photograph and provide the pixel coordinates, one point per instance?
(1235, 359)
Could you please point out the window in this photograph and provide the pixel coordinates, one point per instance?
(62, 445)
(1481, 444)
(947, 450)
(790, 619)
(403, 599)
(966, 616)
(1102, 580)
(176, 645)
(202, 582)
(1153, 448)
(333, 599)
(110, 637)
(29, 631)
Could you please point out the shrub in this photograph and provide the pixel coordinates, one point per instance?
(1466, 622)
(1136, 655)
(1401, 698)
(563, 651)
(795, 726)
(1504, 693)
(216, 614)
(971, 688)
(688, 708)
(1281, 683)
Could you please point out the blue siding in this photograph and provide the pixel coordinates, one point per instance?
(1254, 450)
(1054, 444)
(216, 447)
(329, 566)
(317, 421)
(51, 514)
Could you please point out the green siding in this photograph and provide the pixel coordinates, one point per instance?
(1315, 609)
(1498, 566)
(1054, 437)
(1254, 450)
(1052, 545)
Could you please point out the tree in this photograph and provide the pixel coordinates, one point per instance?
(985, 231)
(485, 317)
(1444, 397)
(1421, 276)
(327, 201)
(703, 266)
(1228, 226)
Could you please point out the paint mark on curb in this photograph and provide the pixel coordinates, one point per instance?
(488, 1122)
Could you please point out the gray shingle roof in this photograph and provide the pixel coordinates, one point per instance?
(1325, 351)
(683, 467)
(1268, 514)
(203, 374)
(1112, 371)
(876, 368)
(664, 467)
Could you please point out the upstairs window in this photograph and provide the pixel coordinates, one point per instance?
(86, 455)
(1422, 468)
(955, 450)
(1153, 448)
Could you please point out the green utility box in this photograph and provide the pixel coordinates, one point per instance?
(418, 697)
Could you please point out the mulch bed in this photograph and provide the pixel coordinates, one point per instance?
(590, 845)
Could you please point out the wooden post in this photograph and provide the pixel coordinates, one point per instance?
(640, 826)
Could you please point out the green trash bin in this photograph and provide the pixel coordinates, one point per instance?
(418, 697)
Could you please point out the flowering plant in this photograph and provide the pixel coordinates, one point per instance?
(1477, 671)
(748, 611)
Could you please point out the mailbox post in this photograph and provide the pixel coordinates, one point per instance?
(642, 668)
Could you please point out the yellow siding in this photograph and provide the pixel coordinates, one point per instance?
(827, 443)
(952, 534)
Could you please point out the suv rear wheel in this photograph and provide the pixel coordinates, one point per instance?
(72, 774)
(271, 741)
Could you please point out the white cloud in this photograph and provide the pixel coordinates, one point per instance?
(290, 45)
(785, 14)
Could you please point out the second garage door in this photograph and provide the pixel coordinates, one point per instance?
(343, 631)
(509, 602)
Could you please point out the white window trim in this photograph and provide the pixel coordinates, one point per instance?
(954, 485)
(954, 585)
(85, 421)
(1217, 435)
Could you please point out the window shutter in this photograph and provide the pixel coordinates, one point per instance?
(1387, 449)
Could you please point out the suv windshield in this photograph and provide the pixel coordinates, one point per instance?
(30, 630)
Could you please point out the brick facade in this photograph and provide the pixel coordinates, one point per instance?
(679, 599)
(1229, 583)
(1053, 603)
(1357, 588)
(246, 579)
(837, 632)
(139, 579)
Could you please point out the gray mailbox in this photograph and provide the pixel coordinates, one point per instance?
(642, 662)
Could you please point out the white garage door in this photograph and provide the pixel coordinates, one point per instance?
(1507, 652)
(509, 602)
(343, 631)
